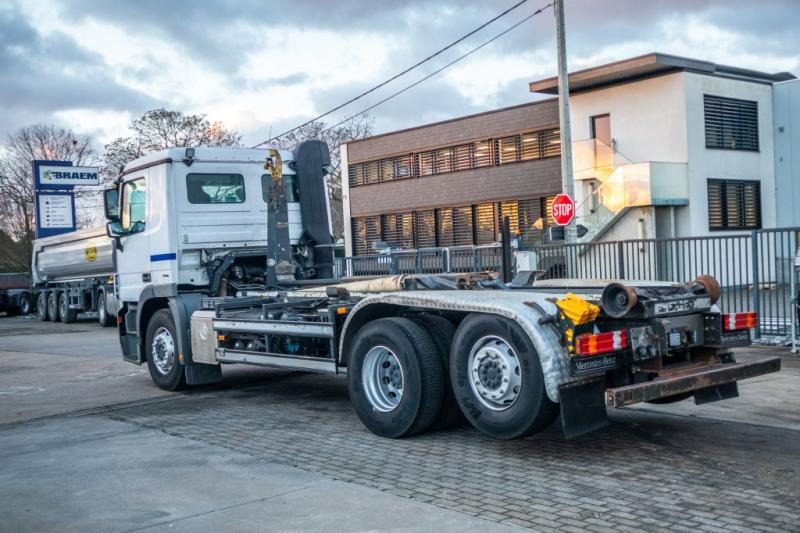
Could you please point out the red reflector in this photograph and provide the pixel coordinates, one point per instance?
(120, 320)
(734, 321)
(611, 341)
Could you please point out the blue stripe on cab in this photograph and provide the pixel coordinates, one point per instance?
(163, 257)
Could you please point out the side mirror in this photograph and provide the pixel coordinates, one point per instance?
(114, 229)
(111, 204)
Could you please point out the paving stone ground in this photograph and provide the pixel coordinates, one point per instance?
(647, 471)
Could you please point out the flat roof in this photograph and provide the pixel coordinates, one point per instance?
(649, 65)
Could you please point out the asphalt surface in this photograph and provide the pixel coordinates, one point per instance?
(88, 443)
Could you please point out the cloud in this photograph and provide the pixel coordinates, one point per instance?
(266, 66)
(41, 75)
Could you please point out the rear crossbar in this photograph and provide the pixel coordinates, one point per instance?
(700, 378)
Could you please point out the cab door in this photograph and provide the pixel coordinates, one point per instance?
(133, 268)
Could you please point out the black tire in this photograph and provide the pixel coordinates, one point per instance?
(65, 314)
(41, 307)
(52, 307)
(175, 378)
(25, 305)
(442, 331)
(103, 318)
(530, 410)
(422, 377)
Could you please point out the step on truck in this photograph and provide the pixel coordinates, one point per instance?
(74, 273)
(224, 256)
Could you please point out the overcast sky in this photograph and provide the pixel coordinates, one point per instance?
(267, 65)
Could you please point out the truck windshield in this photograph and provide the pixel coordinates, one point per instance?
(215, 188)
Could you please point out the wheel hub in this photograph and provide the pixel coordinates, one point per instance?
(495, 373)
(382, 379)
(163, 351)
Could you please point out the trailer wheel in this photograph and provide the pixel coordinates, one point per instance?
(24, 304)
(52, 307)
(65, 314)
(395, 378)
(161, 345)
(497, 378)
(41, 307)
(442, 331)
(103, 317)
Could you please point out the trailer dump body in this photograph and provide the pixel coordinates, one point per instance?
(73, 255)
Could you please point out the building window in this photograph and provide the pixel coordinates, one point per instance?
(601, 128)
(731, 124)
(734, 204)
(508, 150)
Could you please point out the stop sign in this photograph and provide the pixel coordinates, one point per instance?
(563, 209)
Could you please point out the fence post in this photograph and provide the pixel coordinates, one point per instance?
(393, 266)
(418, 262)
(620, 260)
(756, 282)
(446, 260)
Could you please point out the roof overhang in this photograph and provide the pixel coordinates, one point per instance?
(647, 66)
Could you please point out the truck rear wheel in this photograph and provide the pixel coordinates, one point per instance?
(103, 317)
(41, 307)
(497, 378)
(24, 303)
(395, 377)
(161, 347)
(65, 314)
(442, 331)
(52, 307)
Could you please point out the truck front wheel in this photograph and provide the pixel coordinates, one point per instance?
(41, 307)
(395, 377)
(162, 352)
(497, 378)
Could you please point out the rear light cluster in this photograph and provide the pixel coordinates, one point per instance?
(601, 343)
(737, 321)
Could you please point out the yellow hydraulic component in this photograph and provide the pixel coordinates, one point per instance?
(274, 165)
(577, 310)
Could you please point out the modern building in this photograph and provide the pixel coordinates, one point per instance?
(449, 183)
(786, 103)
(663, 146)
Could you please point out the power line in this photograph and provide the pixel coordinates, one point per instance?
(409, 69)
(437, 71)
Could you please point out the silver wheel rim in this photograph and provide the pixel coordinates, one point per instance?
(163, 351)
(52, 306)
(101, 307)
(495, 373)
(382, 379)
(63, 307)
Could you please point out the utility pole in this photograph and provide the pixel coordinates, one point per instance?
(567, 183)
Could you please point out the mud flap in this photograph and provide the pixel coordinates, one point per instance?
(203, 374)
(716, 393)
(583, 407)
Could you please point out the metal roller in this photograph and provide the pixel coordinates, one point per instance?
(617, 300)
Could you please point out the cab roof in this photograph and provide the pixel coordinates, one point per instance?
(204, 153)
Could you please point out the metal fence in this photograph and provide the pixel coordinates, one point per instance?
(754, 269)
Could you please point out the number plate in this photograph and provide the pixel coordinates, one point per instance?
(681, 306)
(733, 339)
(591, 365)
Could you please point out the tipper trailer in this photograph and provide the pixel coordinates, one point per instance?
(74, 273)
(224, 256)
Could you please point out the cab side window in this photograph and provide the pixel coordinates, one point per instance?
(134, 203)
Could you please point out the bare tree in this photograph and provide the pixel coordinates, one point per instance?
(159, 129)
(17, 213)
(359, 127)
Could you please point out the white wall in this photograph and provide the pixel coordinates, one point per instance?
(707, 163)
(648, 117)
(786, 105)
